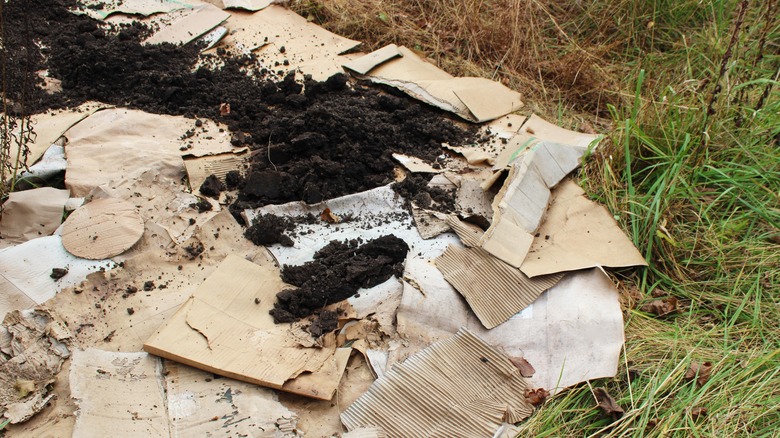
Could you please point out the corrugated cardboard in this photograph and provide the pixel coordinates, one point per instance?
(578, 233)
(25, 272)
(474, 99)
(459, 387)
(102, 229)
(32, 213)
(117, 144)
(200, 168)
(429, 223)
(494, 290)
(570, 334)
(34, 344)
(221, 329)
(118, 394)
(366, 432)
(196, 22)
(469, 234)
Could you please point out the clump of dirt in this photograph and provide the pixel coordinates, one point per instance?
(338, 270)
(212, 186)
(268, 229)
(325, 322)
(414, 188)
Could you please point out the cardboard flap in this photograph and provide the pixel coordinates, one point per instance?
(249, 5)
(577, 234)
(32, 213)
(470, 387)
(365, 63)
(225, 328)
(486, 99)
(201, 19)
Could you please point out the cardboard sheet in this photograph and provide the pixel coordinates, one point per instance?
(102, 228)
(416, 165)
(118, 144)
(225, 328)
(570, 334)
(578, 233)
(249, 5)
(198, 169)
(494, 290)
(32, 213)
(196, 22)
(25, 272)
(376, 212)
(367, 62)
(474, 99)
(458, 387)
(34, 344)
(118, 394)
(100, 9)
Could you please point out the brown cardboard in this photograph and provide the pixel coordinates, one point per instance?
(577, 234)
(118, 394)
(571, 333)
(249, 5)
(460, 386)
(415, 165)
(102, 228)
(100, 9)
(220, 329)
(365, 63)
(32, 213)
(118, 144)
(196, 22)
(494, 290)
(200, 168)
(474, 99)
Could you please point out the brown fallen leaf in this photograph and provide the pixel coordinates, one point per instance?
(661, 307)
(775, 239)
(700, 371)
(536, 396)
(526, 369)
(658, 293)
(329, 217)
(698, 411)
(608, 404)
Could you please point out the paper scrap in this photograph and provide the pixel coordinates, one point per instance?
(225, 328)
(102, 229)
(34, 344)
(572, 333)
(470, 389)
(474, 99)
(494, 290)
(199, 20)
(576, 234)
(117, 392)
(32, 213)
(25, 272)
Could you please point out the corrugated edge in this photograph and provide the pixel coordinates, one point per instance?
(457, 387)
(494, 290)
(468, 234)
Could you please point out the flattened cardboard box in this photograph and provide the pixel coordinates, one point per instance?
(225, 328)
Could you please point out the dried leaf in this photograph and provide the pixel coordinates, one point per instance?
(698, 411)
(701, 372)
(329, 217)
(536, 396)
(775, 239)
(607, 403)
(658, 293)
(526, 369)
(661, 307)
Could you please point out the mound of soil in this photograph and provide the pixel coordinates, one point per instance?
(268, 229)
(336, 273)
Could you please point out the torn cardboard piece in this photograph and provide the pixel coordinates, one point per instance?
(32, 213)
(572, 333)
(25, 272)
(120, 144)
(100, 9)
(470, 389)
(249, 5)
(34, 344)
(469, 270)
(416, 165)
(102, 228)
(577, 234)
(366, 432)
(118, 392)
(474, 99)
(200, 168)
(195, 22)
(225, 328)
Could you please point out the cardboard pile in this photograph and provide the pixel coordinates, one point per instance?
(149, 318)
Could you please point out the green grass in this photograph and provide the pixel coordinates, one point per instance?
(691, 171)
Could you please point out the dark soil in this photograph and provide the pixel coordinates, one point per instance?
(268, 229)
(212, 186)
(325, 322)
(336, 273)
(414, 188)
